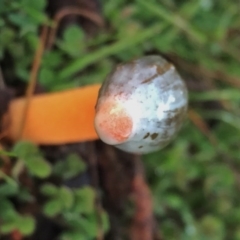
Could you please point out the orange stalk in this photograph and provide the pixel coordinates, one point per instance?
(56, 118)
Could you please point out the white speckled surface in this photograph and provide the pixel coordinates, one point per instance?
(154, 95)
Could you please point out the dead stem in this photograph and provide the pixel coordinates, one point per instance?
(33, 78)
(142, 226)
(94, 17)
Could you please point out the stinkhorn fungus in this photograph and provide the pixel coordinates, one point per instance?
(56, 118)
(141, 105)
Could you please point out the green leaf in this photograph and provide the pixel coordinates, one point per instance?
(215, 183)
(6, 37)
(35, 4)
(174, 201)
(53, 207)
(23, 22)
(90, 224)
(7, 227)
(38, 167)
(74, 235)
(70, 168)
(31, 156)
(7, 211)
(65, 195)
(47, 76)
(105, 221)
(73, 43)
(52, 59)
(212, 227)
(37, 17)
(49, 189)
(84, 200)
(7, 189)
(26, 225)
(25, 149)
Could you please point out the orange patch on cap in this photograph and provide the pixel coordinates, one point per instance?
(113, 123)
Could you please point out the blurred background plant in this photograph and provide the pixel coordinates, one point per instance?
(195, 181)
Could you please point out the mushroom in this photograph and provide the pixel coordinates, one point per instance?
(141, 105)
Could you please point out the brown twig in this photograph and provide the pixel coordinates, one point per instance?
(33, 78)
(142, 226)
(94, 17)
(2, 82)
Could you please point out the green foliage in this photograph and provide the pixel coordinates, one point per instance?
(30, 155)
(20, 21)
(70, 167)
(199, 186)
(75, 207)
(60, 199)
(85, 227)
(72, 42)
(11, 220)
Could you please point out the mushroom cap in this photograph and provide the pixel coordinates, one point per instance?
(141, 105)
